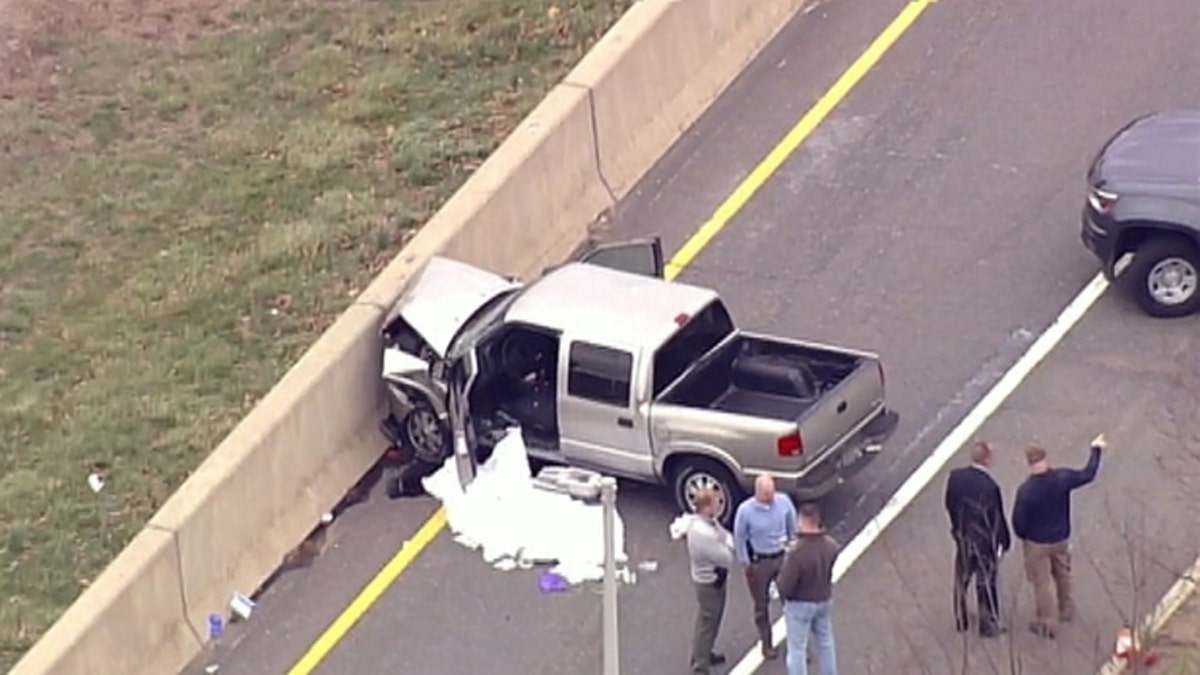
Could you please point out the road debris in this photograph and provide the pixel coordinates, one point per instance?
(241, 605)
(216, 627)
(98, 478)
(552, 582)
(1129, 649)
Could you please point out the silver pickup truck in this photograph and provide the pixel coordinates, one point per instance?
(605, 365)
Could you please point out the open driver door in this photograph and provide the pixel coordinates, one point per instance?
(638, 256)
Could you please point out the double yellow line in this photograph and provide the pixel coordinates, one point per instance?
(694, 245)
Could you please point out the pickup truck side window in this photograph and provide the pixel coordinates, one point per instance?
(599, 374)
(698, 336)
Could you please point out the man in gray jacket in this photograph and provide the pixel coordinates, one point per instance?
(710, 550)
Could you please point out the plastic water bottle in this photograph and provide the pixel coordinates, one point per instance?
(216, 629)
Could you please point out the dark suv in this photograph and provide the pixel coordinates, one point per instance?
(1144, 199)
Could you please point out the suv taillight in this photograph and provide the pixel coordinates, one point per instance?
(1101, 200)
(790, 446)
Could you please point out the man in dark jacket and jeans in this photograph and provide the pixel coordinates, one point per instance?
(1042, 520)
(806, 585)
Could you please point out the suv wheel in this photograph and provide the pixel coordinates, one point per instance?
(701, 473)
(1165, 276)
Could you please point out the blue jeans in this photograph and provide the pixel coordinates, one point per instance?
(801, 619)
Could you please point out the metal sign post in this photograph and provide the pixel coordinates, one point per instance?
(608, 498)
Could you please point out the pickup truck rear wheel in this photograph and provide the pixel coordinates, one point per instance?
(701, 473)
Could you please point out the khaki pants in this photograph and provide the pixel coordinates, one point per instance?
(1048, 569)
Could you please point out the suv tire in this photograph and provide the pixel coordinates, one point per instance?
(1165, 276)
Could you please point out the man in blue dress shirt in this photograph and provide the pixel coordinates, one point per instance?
(762, 527)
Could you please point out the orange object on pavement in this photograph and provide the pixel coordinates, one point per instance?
(1129, 650)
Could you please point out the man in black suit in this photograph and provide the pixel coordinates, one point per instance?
(981, 537)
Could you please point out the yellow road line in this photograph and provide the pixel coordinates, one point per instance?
(780, 153)
(724, 213)
(369, 594)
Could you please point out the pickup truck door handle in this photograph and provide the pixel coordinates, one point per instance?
(841, 408)
(625, 422)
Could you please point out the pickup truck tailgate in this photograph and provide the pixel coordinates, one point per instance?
(850, 387)
(843, 410)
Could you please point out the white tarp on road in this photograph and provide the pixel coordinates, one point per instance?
(517, 524)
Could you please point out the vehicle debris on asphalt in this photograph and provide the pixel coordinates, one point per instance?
(648, 566)
(241, 605)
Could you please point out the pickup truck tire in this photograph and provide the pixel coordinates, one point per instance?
(1165, 276)
(425, 434)
(697, 473)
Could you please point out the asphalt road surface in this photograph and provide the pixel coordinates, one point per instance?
(932, 217)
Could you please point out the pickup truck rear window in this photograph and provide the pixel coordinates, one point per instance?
(600, 374)
(703, 332)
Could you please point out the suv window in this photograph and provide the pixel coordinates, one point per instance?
(600, 374)
(703, 332)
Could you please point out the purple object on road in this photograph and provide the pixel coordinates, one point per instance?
(552, 582)
(216, 626)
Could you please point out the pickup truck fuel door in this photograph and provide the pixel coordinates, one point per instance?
(638, 256)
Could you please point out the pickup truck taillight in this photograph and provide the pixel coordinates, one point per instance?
(791, 445)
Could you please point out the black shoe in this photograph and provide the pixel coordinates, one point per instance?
(716, 659)
(769, 653)
(1042, 630)
(961, 626)
(992, 631)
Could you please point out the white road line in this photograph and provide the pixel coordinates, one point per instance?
(945, 450)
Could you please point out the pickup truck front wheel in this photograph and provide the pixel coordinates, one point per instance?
(701, 473)
(425, 434)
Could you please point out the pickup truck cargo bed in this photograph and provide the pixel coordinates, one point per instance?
(747, 402)
(752, 376)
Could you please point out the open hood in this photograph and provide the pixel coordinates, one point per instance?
(442, 296)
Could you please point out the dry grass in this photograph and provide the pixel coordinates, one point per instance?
(188, 196)
(1177, 646)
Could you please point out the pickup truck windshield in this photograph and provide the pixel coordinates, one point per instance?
(480, 324)
(705, 331)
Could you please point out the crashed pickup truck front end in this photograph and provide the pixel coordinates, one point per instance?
(418, 333)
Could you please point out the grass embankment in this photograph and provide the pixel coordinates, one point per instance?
(186, 202)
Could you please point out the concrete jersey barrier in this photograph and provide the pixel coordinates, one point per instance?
(293, 457)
